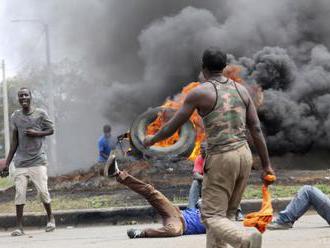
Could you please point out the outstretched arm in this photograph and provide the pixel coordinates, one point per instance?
(180, 117)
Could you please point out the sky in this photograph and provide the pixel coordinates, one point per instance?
(13, 35)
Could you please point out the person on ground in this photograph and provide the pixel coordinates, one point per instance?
(29, 127)
(227, 111)
(307, 196)
(105, 144)
(175, 222)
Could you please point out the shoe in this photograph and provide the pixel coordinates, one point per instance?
(275, 225)
(135, 233)
(112, 169)
(51, 226)
(255, 240)
(17, 232)
(239, 216)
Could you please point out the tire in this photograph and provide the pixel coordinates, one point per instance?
(182, 148)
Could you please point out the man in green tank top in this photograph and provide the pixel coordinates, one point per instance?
(228, 112)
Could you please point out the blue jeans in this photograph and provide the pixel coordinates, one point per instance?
(195, 193)
(306, 197)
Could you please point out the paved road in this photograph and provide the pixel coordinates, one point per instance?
(311, 231)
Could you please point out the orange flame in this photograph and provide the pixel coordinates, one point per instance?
(175, 104)
(156, 125)
(231, 72)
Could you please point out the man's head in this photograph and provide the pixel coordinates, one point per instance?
(203, 149)
(107, 130)
(24, 97)
(213, 62)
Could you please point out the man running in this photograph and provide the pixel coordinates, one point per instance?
(30, 126)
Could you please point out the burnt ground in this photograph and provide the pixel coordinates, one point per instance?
(173, 178)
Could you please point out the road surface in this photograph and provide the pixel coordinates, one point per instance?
(311, 231)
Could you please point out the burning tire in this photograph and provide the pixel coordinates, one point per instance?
(182, 148)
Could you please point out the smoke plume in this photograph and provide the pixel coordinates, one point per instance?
(147, 50)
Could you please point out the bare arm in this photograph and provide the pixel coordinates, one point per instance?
(47, 128)
(180, 117)
(13, 147)
(253, 124)
(37, 133)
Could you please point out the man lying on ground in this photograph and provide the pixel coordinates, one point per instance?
(175, 222)
(306, 197)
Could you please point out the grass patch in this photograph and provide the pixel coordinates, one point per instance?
(5, 182)
(180, 199)
(105, 201)
(62, 203)
(278, 191)
(254, 191)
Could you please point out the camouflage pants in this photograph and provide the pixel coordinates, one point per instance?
(225, 178)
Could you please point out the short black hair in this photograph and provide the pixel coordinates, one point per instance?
(106, 128)
(25, 88)
(214, 59)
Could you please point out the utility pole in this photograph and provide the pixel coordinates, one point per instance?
(46, 30)
(5, 109)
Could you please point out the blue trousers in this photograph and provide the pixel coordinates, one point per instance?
(195, 193)
(307, 196)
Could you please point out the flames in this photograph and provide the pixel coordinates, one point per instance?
(163, 116)
(232, 72)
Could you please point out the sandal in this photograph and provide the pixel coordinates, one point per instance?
(17, 232)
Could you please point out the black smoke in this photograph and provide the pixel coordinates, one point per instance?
(147, 50)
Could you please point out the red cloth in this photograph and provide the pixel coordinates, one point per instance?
(199, 165)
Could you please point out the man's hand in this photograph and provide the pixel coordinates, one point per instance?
(148, 141)
(4, 172)
(267, 171)
(31, 132)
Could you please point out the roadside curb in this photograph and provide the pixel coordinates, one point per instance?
(114, 216)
